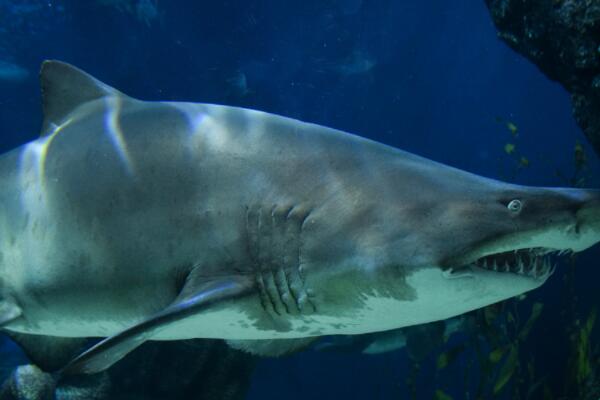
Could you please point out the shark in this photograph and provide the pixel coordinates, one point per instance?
(133, 220)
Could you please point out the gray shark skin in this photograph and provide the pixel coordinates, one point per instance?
(138, 220)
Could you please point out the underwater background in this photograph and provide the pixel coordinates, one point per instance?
(429, 77)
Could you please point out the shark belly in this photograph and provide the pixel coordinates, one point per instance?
(376, 311)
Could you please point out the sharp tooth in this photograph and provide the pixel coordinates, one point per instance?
(485, 263)
(521, 266)
(495, 266)
(542, 269)
(533, 269)
(506, 266)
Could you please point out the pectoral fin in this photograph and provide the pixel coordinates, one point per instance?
(112, 349)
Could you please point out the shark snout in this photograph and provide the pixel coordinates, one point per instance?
(585, 207)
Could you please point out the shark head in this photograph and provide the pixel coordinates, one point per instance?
(517, 230)
(498, 241)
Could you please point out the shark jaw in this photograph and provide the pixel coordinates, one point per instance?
(537, 264)
(533, 255)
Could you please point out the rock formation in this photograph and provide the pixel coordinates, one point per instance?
(562, 37)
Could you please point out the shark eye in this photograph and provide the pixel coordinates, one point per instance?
(514, 206)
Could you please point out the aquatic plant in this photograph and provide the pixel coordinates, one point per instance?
(582, 368)
(497, 344)
(581, 172)
(512, 149)
(583, 361)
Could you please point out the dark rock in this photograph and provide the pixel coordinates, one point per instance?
(177, 370)
(562, 37)
(92, 387)
(28, 382)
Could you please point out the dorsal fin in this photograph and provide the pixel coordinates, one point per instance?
(64, 88)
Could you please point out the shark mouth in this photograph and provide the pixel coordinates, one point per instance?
(537, 263)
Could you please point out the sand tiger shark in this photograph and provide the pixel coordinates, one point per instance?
(140, 220)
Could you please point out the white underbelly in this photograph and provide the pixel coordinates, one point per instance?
(437, 298)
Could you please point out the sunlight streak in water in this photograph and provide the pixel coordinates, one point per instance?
(205, 130)
(221, 130)
(113, 127)
(32, 166)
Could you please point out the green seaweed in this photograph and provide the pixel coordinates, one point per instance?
(536, 310)
(508, 369)
(581, 171)
(583, 354)
(441, 395)
(497, 355)
(449, 356)
(512, 150)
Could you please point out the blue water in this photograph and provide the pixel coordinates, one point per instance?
(429, 77)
